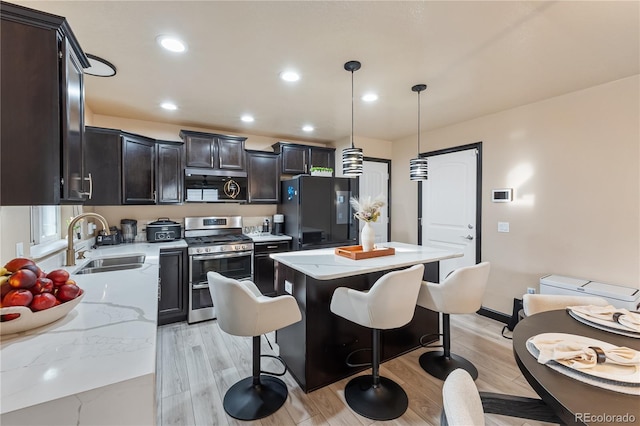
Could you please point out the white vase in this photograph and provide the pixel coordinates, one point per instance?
(367, 237)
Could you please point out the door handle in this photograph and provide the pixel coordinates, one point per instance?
(470, 226)
(468, 237)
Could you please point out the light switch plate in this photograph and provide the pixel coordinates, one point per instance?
(288, 286)
(503, 226)
(19, 250)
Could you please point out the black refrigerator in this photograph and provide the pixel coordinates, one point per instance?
(317, 212)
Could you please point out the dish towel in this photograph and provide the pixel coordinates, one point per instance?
(629, 320)
(578, 355)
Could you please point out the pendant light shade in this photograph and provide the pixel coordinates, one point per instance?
(352, 157)
(418, 167)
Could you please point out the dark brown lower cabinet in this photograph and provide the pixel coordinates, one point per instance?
(263, 270)
(172, 286)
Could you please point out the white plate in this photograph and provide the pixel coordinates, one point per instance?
(623, 374)
(609, 326)
(29, 319)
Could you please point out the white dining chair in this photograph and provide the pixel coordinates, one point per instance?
(535, 303)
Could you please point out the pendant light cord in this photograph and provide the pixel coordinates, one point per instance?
(352, 145)
(418, 123)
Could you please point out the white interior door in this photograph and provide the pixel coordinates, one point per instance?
(449, 207)
(373, 182)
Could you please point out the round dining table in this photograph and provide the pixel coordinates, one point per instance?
(573, 401)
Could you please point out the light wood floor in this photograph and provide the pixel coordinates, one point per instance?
(197, 363)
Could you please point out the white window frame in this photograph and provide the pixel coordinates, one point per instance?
(45, 225)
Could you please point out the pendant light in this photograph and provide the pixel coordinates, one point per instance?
(352, 157)
(418, 165)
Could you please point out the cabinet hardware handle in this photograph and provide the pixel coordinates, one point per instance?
(272, 247)
(90, 193)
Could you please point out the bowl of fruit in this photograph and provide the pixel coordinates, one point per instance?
(31, 298)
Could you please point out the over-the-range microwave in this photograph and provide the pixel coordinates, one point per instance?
(204, 186)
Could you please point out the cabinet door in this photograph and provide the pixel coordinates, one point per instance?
(138, 170)
(172, 288)
(200, 151)
(29, 108)
(72, 92)
(170, 173)
(230, 154)
(102, 154)
(263, 274)
(322, 157)
(294, 159)
(263, 170)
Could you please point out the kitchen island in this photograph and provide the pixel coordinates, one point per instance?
(315, 349)
(97, 364)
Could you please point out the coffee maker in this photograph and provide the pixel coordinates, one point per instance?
(278, 224)
(129, 230)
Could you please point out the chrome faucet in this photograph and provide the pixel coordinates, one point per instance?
(71, 254)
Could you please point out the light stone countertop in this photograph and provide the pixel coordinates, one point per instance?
(110, 337)
(324, 264)
(267, 238)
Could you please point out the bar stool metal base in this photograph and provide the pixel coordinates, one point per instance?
(439, 365)
(387, 401)
(246, 401)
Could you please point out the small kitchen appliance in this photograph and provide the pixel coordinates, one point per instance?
(129, 230)
(278, 224)
(114, 237)
(163, 229)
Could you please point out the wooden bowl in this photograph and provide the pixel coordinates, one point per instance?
(29, 320)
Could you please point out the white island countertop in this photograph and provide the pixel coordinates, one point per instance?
(324, 264)
(107, 339)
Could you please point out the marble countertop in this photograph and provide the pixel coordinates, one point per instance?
(323, 264)
(266, 238)
(108, 338)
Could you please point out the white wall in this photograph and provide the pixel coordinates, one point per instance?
(573, 162)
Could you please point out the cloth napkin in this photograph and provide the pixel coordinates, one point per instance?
(629, 320)
(576, 354)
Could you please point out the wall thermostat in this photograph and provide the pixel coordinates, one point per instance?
(503, 195)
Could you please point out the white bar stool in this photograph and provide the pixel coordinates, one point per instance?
(390, 303)
(243, 311)
(461, 292)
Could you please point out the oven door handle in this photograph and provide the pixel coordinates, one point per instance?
(221, 256)
(200, 286)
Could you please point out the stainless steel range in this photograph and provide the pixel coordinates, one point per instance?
(214, 244)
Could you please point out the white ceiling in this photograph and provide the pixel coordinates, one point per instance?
(476, 57)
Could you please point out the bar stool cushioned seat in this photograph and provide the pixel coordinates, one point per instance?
(243, 311)
(461, 292)
(390, 303)
(535, 303)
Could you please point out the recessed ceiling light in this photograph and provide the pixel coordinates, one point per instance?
(172, 44)
(369, 97)
(290, 76)
(247, 118)
(169, 106)
(308, 128)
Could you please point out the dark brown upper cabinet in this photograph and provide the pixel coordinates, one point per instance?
(263, 170)
(298, 159)
(42, 109)
(131, 169)
(139, 170)
(219, 154)
(170, 175)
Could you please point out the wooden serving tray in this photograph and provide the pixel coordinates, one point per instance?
(356, 252)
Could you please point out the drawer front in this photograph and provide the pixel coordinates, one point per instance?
(271, 247)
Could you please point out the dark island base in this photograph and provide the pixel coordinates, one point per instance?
(315, 349)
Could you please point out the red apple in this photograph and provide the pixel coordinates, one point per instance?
(19, 297)
(67, 292)
(58, 276)
(8, 317)
(42, 301)
(23, 278)
(19, 262)
(5, 288)
(43, 285)
(35, 270)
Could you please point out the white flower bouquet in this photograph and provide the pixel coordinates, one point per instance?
(367, 209)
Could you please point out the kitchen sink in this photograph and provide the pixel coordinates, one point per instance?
(109, 264)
